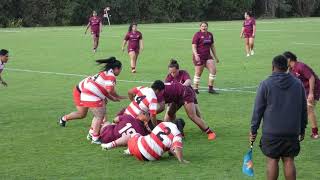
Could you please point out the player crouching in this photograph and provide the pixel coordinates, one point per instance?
(163, 138)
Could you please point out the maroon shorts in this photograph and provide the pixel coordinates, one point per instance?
(189, 95)
(248, 35)
(136, 50)
(203, 59)
(76, 97)
(107, 134)
(96, 34)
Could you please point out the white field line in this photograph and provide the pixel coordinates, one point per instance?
(307, 44)
(128, 81)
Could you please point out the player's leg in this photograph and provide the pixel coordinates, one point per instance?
(210, 65)
(171, 112)
(99, 113)
(246, 42)
(97, 40)
(313, 120)
(251, 45)
(136, 60)
(196, 79)
(122, 141)
(289, 168)
(133, 60)
(94, 38)
(191, 112)
(198, 112)
(79, 114)
(272, 168)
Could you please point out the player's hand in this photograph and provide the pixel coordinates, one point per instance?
(301, 137)
(241, 35)
(197, 57)
(217, 60)
(122, 49)
(4, 83)
(252, 137)
(85, 32)
(310, 98)
(253, 35)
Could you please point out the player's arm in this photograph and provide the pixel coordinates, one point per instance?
(87, 28)
(114, 95)
(242, 31)
(254, 30)
(124, 43)
(132, 93)
(194, 51)
(1, 80)
(125, 40)
(312, 81)
(187, 82)
(161, 107)
(258, 111)
(141, 45)
(214, 53)
(178, 153)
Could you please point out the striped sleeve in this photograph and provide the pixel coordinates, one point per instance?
(153, 105)
(176, 142)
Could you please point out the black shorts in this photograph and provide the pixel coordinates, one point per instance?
(276, 147)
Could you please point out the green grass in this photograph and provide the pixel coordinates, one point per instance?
(34, 147)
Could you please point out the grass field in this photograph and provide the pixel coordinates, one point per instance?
(34, 147)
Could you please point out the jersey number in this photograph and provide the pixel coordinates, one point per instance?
(167, 131)
(126, 130)
(139, 99)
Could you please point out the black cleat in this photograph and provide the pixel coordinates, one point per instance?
(196, 91)
(212, 91)
(62, 123)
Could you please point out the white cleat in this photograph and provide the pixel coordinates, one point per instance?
(104, 146)
(248, 55)
(126, 152)
(252, 52)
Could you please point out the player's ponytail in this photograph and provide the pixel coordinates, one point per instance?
(173, 64)
(110, 63)
(131, 25)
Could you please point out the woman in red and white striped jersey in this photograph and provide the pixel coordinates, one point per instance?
(93, 93)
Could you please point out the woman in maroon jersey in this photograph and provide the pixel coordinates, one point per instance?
(135, 44)
(95, 23)
(202, 47)
(248, 32)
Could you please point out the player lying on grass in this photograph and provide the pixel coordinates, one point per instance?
(178, 95)
(93, 93)
(163, 138)
(126, 125)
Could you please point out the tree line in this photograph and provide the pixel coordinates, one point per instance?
(30, 13)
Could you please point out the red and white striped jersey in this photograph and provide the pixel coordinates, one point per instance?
(94, 88)
(164, 137)
(145, 100)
